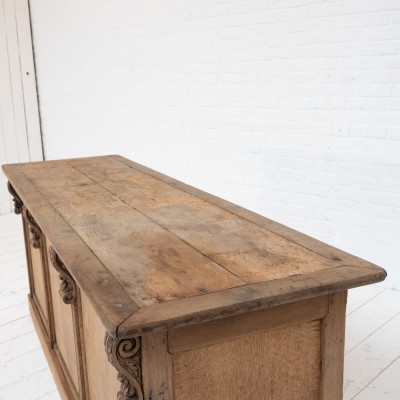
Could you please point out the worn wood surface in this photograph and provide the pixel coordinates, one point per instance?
(371, 317)
(240, 300)
(220, 330)
(92, 276)
(38, 274)
(332, 348)
(102, 380)
(168, 254)
(62, 383)
(65, 340)
(290, 234)
(38, 279)
(156, 367)
(278, 364)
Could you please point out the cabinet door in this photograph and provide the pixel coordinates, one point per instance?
(66, 315)
(37, 268)
(101, 375)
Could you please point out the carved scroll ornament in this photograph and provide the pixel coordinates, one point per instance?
(34, 229)
(67, 286)
(17, 201)
(125, 356)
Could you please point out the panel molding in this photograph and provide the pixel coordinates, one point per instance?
(267, 319)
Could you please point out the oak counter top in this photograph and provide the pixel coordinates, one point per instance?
(152, 253)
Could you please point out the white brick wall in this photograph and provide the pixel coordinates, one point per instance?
(290, 108)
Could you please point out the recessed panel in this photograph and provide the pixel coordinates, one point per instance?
(279, 364)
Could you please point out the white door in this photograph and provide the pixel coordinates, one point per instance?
(20, 138)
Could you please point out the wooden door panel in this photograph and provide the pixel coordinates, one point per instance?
(37, 267)
(66, 323)
(101, 375)
(279, 364)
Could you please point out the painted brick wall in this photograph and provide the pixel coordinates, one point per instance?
(290, 108)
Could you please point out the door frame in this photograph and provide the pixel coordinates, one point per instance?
(20, 130)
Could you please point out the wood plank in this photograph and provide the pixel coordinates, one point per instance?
(35, 385)
(58, 375)
(12, 331)
(271, 282)
(173, 268)
(235, 301)
(94, 278)
(65, 339)
(216, 331)
(17, 284)
(14, 271)
(294, 236)
(66, 333)
(101, 375)
(278, 364)
(150, 193)
(156, 367)
(359, 297)
(160, 261)
(11, 298)
(371, 357)
(38, 280)
(247, 250)
(386, 386)
(14, 313)
(332, 348)
(18, 346)
(23, 366)
(371, 317)
(51, 396)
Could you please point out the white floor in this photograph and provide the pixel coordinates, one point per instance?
(372, 362)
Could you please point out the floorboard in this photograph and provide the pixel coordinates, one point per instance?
(384, 386)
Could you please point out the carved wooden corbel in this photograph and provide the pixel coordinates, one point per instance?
(125, 356)
(34, 229)
(17, 201)
(67, 287)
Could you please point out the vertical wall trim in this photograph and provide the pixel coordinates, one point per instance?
(28, 76)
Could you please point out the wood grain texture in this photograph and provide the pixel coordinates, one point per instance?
(65, 340)
(55, 367)
(290, 234)
(220, 330)
(102, 380)
(173, 270)
(240, 300)
(279, 364)
(38, 278)
(39, 282)
(245, 249)
(168, 254)
(93, 277)
(332, 348)
(28, 258)
(156, 367)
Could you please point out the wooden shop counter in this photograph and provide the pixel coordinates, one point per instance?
(143, 287)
